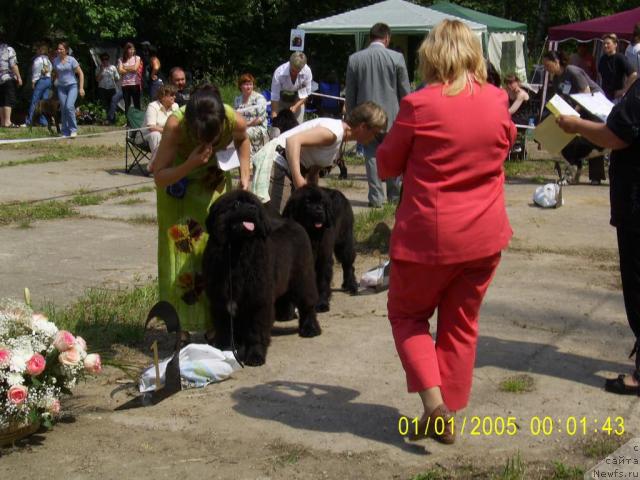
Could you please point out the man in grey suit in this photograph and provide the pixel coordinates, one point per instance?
(377, 74)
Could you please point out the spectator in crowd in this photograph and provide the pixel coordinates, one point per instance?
(156, 116)
(377, 74)
(152, 75)
(568, 79)
(621, 133)
(616, 72)
(65, 69)
(633, 50)
(186, 164)
(107, 77)
(130, 68)
(10, 79)
(451, 224)
(518, 98)
(296, 156)
(178, 79)
(583, 58)
(41, 68)
(253, 107)
(291, 86)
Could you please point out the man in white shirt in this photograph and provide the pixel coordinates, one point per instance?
(291, 85)
(156, 117)
(633, 50)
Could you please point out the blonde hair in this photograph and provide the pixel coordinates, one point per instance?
(369, 113)
(452, 55)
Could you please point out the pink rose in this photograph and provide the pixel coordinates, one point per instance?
(64, 341)
(81, 344)
(93, 363)
(54, 407)
(36, 364)
(70, 356)
(5, 356)
(17, 394)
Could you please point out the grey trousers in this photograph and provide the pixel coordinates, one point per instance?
(376, 192)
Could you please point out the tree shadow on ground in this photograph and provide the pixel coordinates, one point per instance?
(322, 408)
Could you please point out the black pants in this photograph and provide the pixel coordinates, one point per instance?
(105, 95)
(629, 250)
(131, 92)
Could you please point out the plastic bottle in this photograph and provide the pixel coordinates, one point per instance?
(530, 130)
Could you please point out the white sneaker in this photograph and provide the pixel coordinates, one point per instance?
(73, 135)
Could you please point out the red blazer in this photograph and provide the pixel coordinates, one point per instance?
(450, 152)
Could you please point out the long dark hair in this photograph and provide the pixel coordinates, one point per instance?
(125, 51)
(205, 113)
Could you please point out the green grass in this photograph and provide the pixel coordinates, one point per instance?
(46, 158)
(353, 159)
(564, 472)
(131, 201)
(43, 132)
(540, 170)
(431, 474)
(106, 317)
(29, 212)
(340, 184)
(514, 469)
(599, 446)
(372, 227)
(287, 453)
(143, 220)
(26, 212)
(517, 384)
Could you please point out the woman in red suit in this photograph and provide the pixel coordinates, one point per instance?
(448, 142)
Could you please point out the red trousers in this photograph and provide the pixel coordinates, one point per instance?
(415, 291)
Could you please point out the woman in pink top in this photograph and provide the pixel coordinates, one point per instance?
(448, 142)
(130, 68)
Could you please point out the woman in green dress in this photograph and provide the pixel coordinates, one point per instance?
(188, 181)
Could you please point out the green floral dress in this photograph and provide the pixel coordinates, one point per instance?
(182, 234)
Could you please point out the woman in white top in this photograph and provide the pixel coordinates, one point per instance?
(156, 116)
(107, 77)
(253, 108)
(296, 157)
(41, 68)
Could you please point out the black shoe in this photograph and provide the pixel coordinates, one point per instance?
(617, 385)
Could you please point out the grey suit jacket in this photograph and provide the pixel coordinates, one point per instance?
(377, 74)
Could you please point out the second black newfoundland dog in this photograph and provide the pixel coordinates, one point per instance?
(255, 268)
(327, 216)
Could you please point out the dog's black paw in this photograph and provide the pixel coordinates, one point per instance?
(255, 356)
(351, 286)
(310, 329)
(322, 306)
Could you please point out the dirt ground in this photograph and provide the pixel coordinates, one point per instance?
(328, 407)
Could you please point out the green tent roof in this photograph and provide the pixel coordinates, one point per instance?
(494, 24)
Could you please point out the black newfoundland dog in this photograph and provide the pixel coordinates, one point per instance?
(327, 217)
(256, 267)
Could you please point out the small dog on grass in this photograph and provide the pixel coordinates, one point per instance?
(50, 110)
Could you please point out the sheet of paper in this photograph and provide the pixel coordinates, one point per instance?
(558, 106)
(550, 136)
(228, 159)
(596, 103)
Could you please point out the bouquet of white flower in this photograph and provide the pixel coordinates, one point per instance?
(38, 363)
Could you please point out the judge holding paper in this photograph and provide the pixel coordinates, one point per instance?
(621, 133)
(569, 79)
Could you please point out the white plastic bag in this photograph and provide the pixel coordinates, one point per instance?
(377, 278)
(200, 365)
(548, 196)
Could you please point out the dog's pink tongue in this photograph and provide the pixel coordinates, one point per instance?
(317, 225)
(249, 226)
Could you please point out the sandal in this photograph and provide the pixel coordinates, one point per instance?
(617, 385)
(438, 425)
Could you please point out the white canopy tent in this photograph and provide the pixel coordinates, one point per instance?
(402, 17)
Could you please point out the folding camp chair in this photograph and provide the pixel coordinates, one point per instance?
(135, 144)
